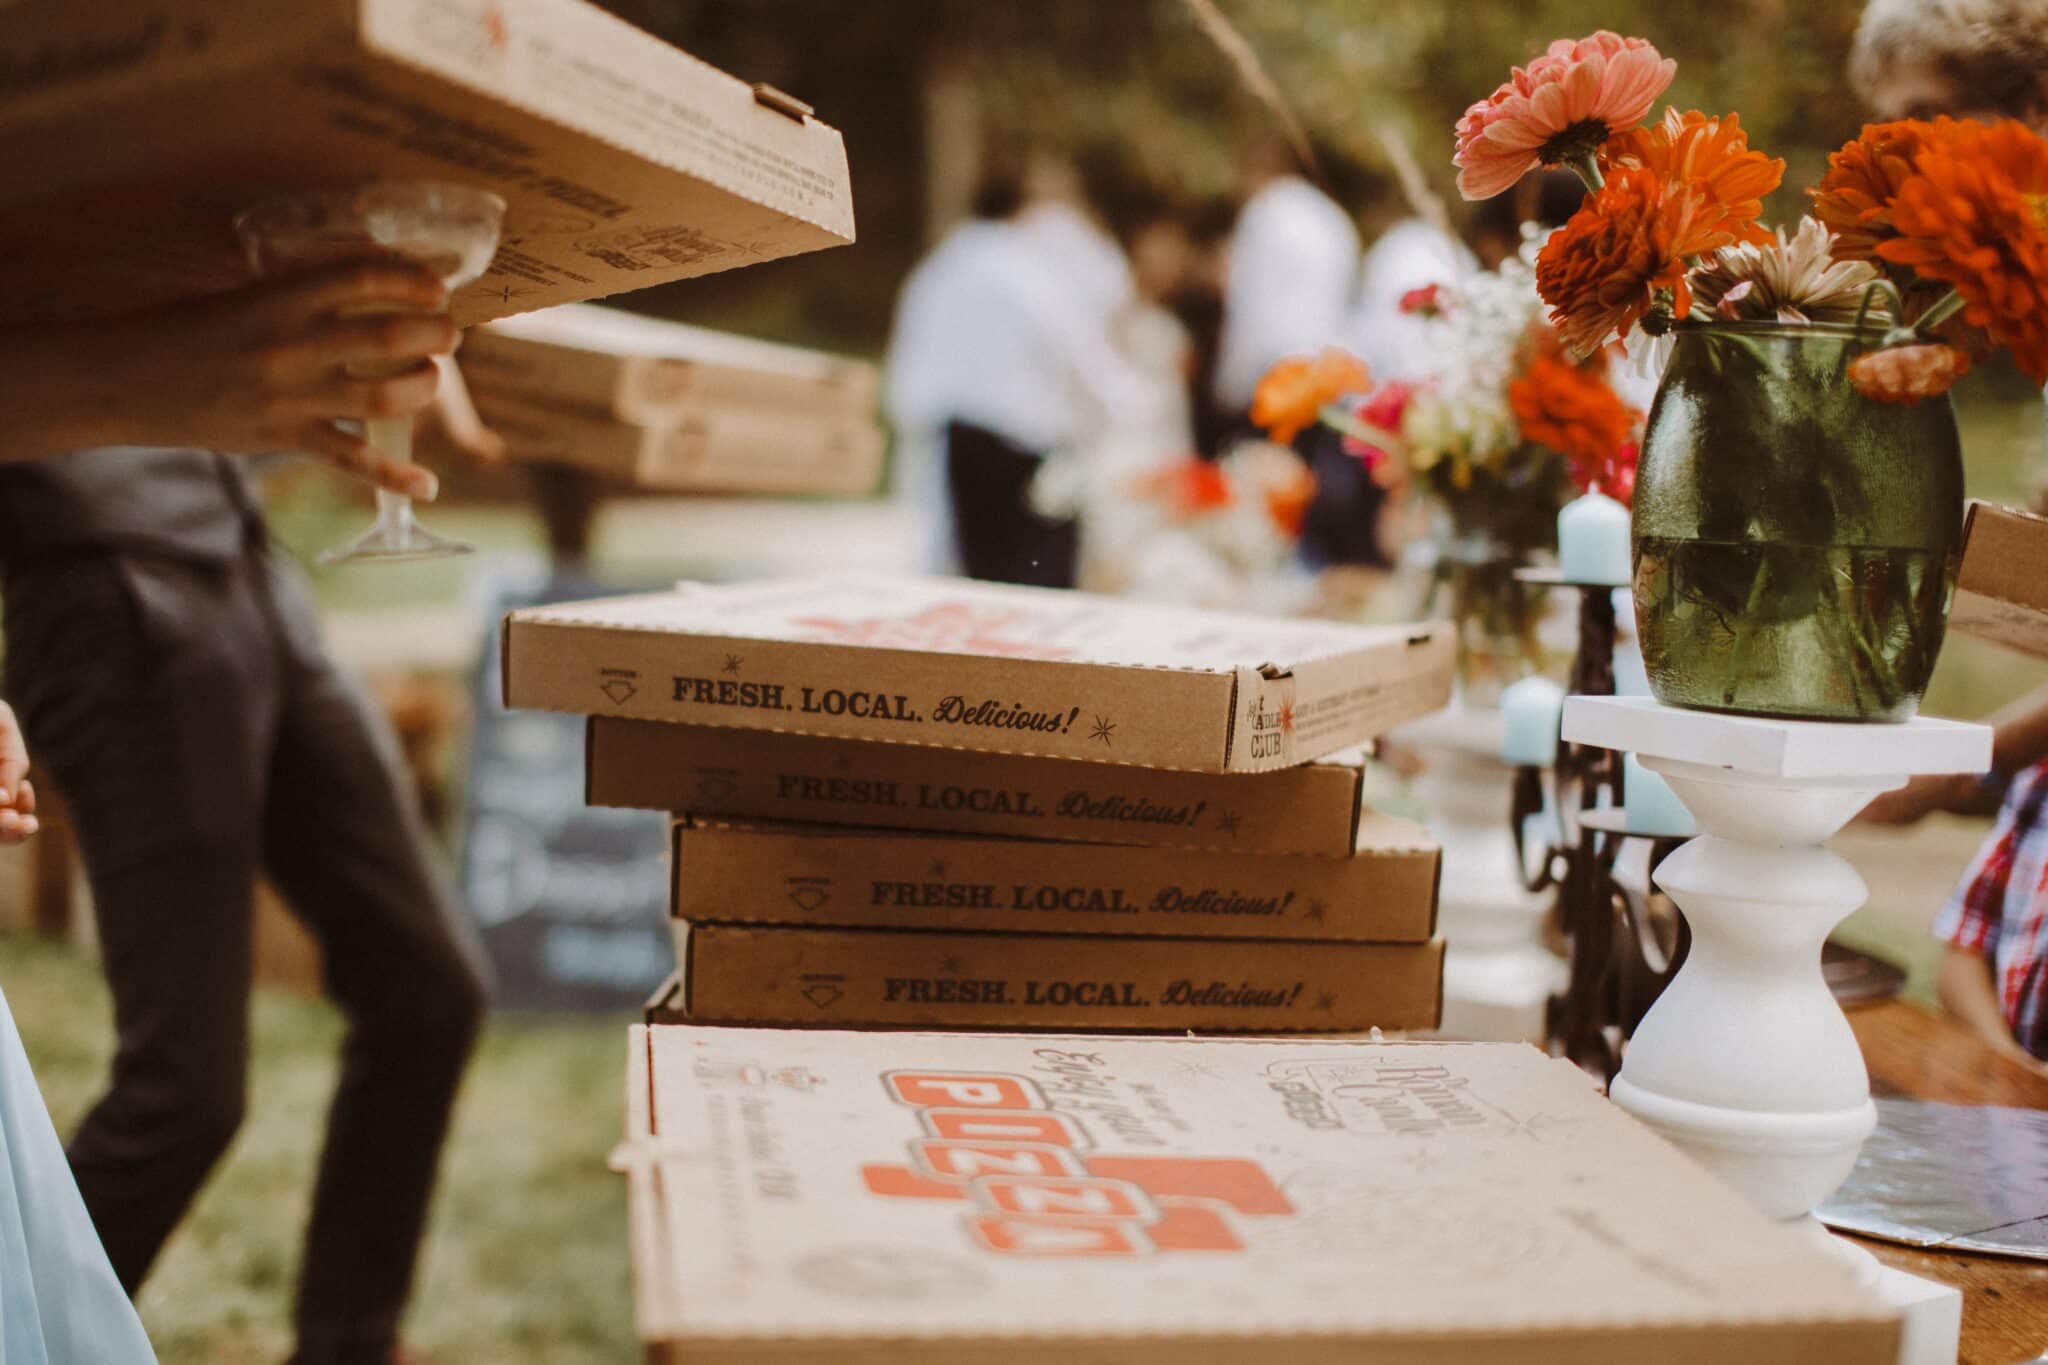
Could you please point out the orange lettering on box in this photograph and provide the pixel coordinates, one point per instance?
(972, 1160)
(1243, 1185)
(1066, 1237)
(979, 1125)
(900, 1182)
(962, 1090)
(1071, 1198)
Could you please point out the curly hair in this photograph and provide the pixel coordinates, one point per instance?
(1991, 54)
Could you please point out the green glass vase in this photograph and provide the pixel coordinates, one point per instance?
(1795, 542)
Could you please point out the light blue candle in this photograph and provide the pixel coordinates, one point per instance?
(1592, 541)
(1532, 710)
(1653, 808)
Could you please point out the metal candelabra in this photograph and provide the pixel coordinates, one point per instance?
(1622, 946)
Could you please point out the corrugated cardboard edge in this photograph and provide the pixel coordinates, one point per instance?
(1352, 762)
(1765, 1343)
(682, 931)
(636, 1158)
(632, 33)
(681, 826)
(2001, 594)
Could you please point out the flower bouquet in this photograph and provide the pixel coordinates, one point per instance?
(1497, 435)
(1799, 501)
(1195, 532)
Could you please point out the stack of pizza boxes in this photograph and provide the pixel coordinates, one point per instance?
(673, 408)
(931, 803)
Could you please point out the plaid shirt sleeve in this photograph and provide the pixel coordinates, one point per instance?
(1974, 914)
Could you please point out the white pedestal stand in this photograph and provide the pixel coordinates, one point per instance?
(1498, 976)
(1746, 1061)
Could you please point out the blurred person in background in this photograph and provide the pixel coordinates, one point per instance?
(166, 662)
(1199, 306)
(1291, 271)
(1968, 58)
(1003, 343)
(1979, 59)
(925, 368)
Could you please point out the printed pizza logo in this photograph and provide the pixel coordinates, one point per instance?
(1032, 1185)
(952, 627)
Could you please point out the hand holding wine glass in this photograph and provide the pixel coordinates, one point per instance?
(250, 372)
(449, 231)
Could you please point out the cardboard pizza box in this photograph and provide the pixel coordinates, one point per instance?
(651, 370)
(757, 775)
(916, 1198)
(978, 666)
(710, 449)
(764, 873)
(136, 130)
(777, 974)
(2002, 585)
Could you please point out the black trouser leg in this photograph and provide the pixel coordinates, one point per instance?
(345, 843)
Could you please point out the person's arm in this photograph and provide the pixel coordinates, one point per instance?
(17, 793)
(2019, 740)
(266, 368)
(1969, 993)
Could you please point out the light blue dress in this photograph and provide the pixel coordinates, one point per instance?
(59, 1301)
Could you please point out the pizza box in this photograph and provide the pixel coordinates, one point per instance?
(780, 873)
(721, 448)
(136, 130)
(706, 771)
(2002, 585)
(980, 666)
(813, 1196)
(781, 974)
(650, 370)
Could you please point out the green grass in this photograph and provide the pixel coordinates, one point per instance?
(526, 1257)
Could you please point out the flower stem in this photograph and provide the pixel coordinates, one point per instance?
(1587, 165)
(1943, 308)
(1744, 626)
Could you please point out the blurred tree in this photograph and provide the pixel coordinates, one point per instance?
(918, 85)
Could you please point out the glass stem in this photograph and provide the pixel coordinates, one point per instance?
(392, 436)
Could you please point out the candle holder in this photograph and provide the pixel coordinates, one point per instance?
(1746, 1061)
(1621, 947)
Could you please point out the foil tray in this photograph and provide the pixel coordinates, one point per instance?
(1958, 1177)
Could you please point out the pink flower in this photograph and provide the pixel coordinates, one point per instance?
(1427, 301)
(1561, 106)
(1382, 411)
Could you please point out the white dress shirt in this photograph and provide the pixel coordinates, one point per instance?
(1292, 277)
(1412, 254)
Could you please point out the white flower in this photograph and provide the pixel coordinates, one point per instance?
(1794, 279)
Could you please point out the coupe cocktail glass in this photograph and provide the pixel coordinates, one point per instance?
(451, 230)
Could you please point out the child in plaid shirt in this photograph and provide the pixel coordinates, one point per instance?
(1995, 976)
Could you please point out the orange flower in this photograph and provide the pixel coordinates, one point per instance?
(1288, 499)
(1974, 215)
(1292, 396)
(1571, 410)
(1854, 199)
(1637, 234)
(1907, 374)
(1560, 107)
(1711, 156)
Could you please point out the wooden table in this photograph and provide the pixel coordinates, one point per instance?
(1916, 1053)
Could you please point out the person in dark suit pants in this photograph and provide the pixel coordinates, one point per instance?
(166, 665)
